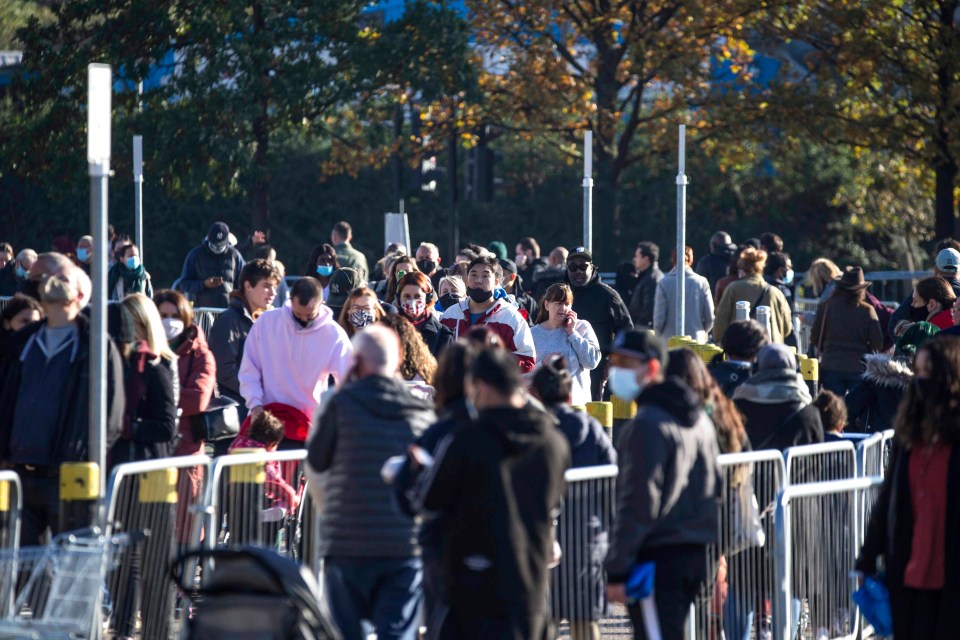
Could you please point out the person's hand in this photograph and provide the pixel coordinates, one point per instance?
(255, 413)
(570, 322)
(212, 282)
(617, 593)
(258, 237)
(902, 327)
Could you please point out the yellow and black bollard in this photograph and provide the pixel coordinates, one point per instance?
(157, 509)
(603, 412)
(245, 501)
(810, 369)
(79, 495)
(623, 412)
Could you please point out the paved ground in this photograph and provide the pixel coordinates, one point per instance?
(616, 625)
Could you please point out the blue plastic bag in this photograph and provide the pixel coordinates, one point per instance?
(640, 583)
(874, 602)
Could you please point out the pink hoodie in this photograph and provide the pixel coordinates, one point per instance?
(283, 362)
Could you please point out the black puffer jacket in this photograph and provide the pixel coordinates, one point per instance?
(202, 263)
(497, 486)
(150, 419)
(227, 337)
(362, 425)
(589, 444)
(602, 307)
(435, 335)
(872, 404)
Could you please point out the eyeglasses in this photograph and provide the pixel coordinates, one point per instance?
(354, 308)
(581, 267)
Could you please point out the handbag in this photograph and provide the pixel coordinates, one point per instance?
(220, 421)
(743, 511)
(874, 602)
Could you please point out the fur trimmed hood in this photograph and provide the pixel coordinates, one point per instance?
(888, 371)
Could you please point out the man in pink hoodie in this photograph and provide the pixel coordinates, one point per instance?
(290, 355)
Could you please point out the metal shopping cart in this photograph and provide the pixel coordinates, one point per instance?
(57, 591)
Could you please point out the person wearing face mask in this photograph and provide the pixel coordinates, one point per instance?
(752, 288)
(289, 357)
(258, 287)
(322, 264)
(914, 523)
(360, 309)
(19, 311)
(85, 253)
(428, 261)
(484, 275)
(342, 282)
(128, 275)
(668, 486)
(44, 398)
(13, 276)
(212, 270)
(452, 290)
(779, 272)
(416, 298)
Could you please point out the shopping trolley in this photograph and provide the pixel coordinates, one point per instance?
(57, 591)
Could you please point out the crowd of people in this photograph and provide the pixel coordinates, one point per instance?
(473, 377)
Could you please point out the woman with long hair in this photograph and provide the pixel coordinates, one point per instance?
(557, 330)
(415, 301)
(417, 366)
(321, 265)
(915, 522)
(127, 274)
(754, 289)
(935, 297)
(19, 311)
(400, 266)
(845, 330)
(360, 309)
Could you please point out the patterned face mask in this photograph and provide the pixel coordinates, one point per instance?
(414, 308)
(361, 319)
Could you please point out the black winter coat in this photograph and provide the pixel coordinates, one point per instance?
(202, 263)
(226, 339)
(9, 282)
(644, 295)
(589, 444)
(73, 432)
(780, 425)
(603, 308)
(730, 375)
(435, 335)
(497, 485)
(872, 404)
(150, 419)
(714, 267)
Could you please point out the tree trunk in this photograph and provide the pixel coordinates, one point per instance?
(946, 215)
(946, 162)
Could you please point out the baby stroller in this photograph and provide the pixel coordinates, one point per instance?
(251, 593)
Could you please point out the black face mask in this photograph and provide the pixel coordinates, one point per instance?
(448, 300)
(427, 266)
(31, 288)
(479, 295)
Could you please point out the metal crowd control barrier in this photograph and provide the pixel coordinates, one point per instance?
(821, 462)
(819, 528)
(162, 502)
(4, 300)
(735, 602)
(204, 317)
(247, 506)
(583, 530)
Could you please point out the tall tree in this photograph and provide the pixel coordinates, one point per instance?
(627, 70)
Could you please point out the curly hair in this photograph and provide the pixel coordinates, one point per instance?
(731, 432)
(929, 413)
(417, 359)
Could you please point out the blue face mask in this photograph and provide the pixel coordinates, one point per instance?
(324, 270)
(21, 272)
(623, 383)
(132, 262)
(83, 255)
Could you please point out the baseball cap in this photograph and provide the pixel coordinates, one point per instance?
(642, 344)
(948, 261)
(580, 252)
(508, 266)
(342, 282)
(219, 235)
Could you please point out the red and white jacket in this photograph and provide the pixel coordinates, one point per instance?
(503, 319)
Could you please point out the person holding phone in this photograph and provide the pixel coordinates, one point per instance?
(558, 331)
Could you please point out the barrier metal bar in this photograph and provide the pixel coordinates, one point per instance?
(885, 449)
(248, 506)
(204, 317)
(735, 601)
(162, 500)
(819, 532)
(11, 504)
(583, 531)
(820, 462)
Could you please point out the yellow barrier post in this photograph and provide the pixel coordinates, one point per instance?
(810, 369)
(623, 412)
(603, 412)
(157, 493)
(79, 494)
(245, 500)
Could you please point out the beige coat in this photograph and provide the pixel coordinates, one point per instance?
(758, 293)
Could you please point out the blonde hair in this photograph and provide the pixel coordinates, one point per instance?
(454, 281)
(821, 273)
(752, 260)
(147, 325)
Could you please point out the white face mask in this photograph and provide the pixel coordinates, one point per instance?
(788, 277)
(623, 383)
(173, 327)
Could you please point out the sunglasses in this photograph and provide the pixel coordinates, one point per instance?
(582, 267)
